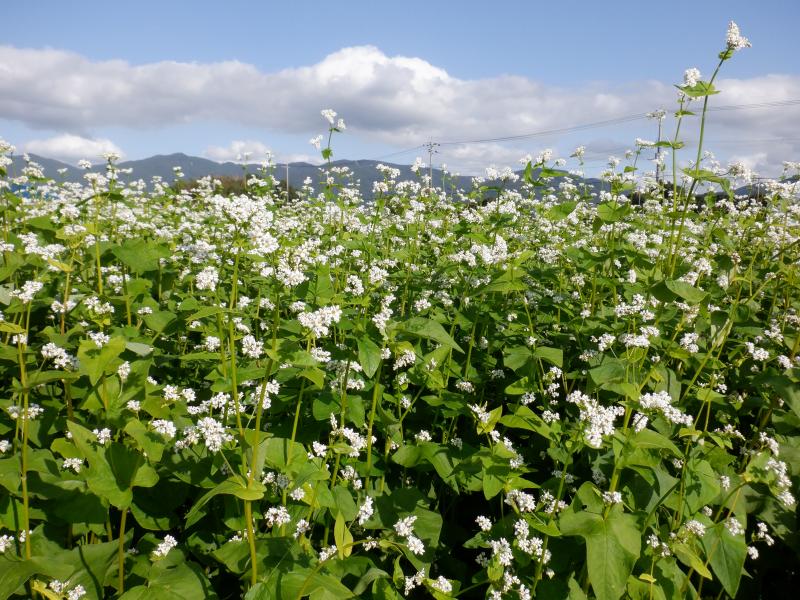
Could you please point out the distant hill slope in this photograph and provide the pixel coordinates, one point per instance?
(195, 167)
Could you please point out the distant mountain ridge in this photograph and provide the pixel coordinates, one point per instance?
(195, 167)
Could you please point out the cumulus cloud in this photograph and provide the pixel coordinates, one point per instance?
(71, 148)
(240, 151)
(397, 100)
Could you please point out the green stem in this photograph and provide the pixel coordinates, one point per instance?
(121, 553)
(375, 391)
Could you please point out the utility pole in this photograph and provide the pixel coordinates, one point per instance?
(287, 181)
(658, 115)
(431, 151)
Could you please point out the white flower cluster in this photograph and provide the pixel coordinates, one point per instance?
(60, 357)
(28, 291)
(415, 580)
(76, 464)
(164, 547)
(598, 420)
(165, 428)
(533, 546)
(734, 39)
(210, 430)
(365, 511)
(404, 359)
(207, 279)
(103, 436)
(691, 77)
(277, 516)
(62, 588)
(405, 528)
(252, 347)
(662, 402)
(319, 321)
(17, 413)
(757, 353)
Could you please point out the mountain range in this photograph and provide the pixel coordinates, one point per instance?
(194, 167)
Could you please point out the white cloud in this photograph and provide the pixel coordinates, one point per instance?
(238, 151)
(72, 148)
(299, 157)
(396, 100)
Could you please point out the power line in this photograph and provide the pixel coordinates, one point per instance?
(593, 125)
(524, 136)
(776, 103)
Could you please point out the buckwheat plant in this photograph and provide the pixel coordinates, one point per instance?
(523, 389)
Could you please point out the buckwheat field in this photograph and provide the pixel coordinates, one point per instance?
(527, 389)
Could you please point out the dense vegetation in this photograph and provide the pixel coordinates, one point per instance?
(547, 393)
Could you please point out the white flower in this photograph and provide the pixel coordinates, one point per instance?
(329, 114)
(99, 338)
(662, 402)
(691, 77)
(316, 142)
(442, 584)
(165, 428)
(695, 527)
(405, 527)
(28, 291)
(733, 525)
(164, 547)
(365, 511)
(207, 279)
(277, 515)
(734, 39)
(252, 347)
(75, 593)
(124, 370)
(76, 464)
(301, 527)
(319, 321)
(103, 435)
(599, 420)
(415, 545)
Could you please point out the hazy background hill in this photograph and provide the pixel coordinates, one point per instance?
(195, 167)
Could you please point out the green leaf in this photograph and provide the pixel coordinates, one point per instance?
(369, 355)
(554, 356)
(96, 362)
(726, 553)
(524, 418)
(611, 212)
(561, 211)
(141, 255)
(519, 387)
(159, 321)
(647, 438)
(612, 547)
(342, 536)
(13, 573)
(428, 329)
(9, 327)
(612, 370)
(10, 474)
(698, 90)
(689, 557)
(686, 291)
(113, 471)
(235, 486)
(148, 441)
(139, 348)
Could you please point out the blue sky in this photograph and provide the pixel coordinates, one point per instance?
(479, 70)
